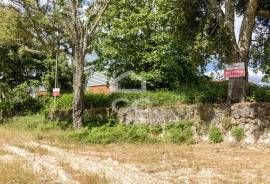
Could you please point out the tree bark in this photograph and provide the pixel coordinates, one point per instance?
(78, 88)
(239, 52)
(238, 86)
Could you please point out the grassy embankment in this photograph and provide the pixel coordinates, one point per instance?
(106, 131)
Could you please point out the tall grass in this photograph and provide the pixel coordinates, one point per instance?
(208, 92)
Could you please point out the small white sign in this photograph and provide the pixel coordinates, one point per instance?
(56, 92)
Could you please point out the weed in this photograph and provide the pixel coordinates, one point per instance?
(155, 129)
(227, 125)
(238, 133)
(215, 135)
(180, 132)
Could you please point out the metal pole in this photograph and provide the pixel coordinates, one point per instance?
(56, 70)
(56, 74)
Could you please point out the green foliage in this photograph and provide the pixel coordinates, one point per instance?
(206, 92)
(64, 73)
(258, 94)
(17, 67)
(119, 133)
(113, 134)
(36, 122)
(155, 129)
(238, 133)
(179, 132)
(215, 135)
(149, 38)
(18, 101)
(97, 121)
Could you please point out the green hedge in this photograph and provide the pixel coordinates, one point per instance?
(203, 93)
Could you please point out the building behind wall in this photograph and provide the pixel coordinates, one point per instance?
(98, 83)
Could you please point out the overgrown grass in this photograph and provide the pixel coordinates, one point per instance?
(103, 131)
(84, 178)
(16, 172)
(36, 122)
(180, 132)
(119, 133)
(33, 149)
(238, 133)
(208, 92)
(215, 135)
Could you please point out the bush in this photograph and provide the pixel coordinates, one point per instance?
(238, 133)
(97, 121)
(113, 134)
(18, 101)
(155, 129)
(179, 133)
(258, 94)
(206, 92)
(215, 135)
(119, 133)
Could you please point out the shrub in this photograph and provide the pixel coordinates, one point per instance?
(215, 135)
(258, 94)
(155, 129)
(238, 133)
(112, 134)
(97, 121)
(206, 92)
(180, 132)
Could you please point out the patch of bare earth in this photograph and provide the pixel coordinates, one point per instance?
(112, 169)
(202, 163)
(154, 163)
(46, 165)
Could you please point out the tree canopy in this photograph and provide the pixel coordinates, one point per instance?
(153, 39)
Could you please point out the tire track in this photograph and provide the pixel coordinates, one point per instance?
(116, 172)
(42, 164)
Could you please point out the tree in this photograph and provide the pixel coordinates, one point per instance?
(63, 26)
(151, 38)
(238, 51)
(260, 52)
(19, 64)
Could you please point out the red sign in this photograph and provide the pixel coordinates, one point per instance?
(235, 70)
(234, 73)
(56, 92)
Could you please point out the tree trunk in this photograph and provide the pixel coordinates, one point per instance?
(236, 90)
(78, 88)
(238, 86)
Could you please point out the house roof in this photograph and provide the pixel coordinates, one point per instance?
(97, 79)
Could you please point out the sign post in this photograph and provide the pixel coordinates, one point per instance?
(235, 70)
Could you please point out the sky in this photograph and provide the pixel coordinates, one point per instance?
(254, 77)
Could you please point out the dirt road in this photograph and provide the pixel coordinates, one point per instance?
(146, 163)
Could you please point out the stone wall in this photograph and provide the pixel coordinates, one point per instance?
(66, 115)
(167, 114)
(254, 118)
